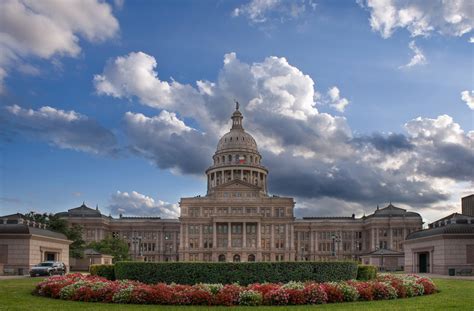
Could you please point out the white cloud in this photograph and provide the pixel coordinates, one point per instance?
(421, 17)
(336, 101)
(64, 129)
(137, 204)
(468, 98)
(262, 11)
(279, 105)
(50, 28)
(418, 57)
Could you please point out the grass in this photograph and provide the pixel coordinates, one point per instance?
(455, 295)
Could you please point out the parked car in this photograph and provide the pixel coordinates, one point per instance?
(48, 268)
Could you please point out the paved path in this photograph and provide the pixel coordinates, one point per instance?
(10, 277)
(443, 276)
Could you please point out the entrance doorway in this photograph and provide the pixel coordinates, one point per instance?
(424, 262)
(50, 256)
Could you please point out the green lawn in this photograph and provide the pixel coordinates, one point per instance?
(454, 295)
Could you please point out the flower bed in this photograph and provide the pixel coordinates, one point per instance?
(80, 287)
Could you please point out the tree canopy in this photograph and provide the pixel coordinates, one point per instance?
(116, 247)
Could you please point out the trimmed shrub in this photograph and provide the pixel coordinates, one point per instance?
(77, 287)
(250, 298)
(366, 272)
(105, 271)
(227, 272)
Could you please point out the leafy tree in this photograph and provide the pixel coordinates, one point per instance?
(116, 247)
(55, 223)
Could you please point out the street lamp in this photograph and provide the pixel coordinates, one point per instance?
(335, 239)
(137, 240)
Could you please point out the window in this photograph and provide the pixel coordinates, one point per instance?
(237, 242)
(251, 242)
(221, 258)
(279, 243)
(251, 228)
(221, 242)
(236, 228)
(279, 212)
(207, 229)
(194, 211)
(193, 229)
(265, 243)
(222, 228)
(194, 243)
(207, 243)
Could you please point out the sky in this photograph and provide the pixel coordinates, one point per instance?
(120, 104)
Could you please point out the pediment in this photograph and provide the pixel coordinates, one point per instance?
(236, 185)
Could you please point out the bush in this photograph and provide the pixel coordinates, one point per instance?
(366, 272)
(250, 298)
(105, 271)
(228, 272)
(78, 287)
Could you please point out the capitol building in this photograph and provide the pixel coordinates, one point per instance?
(238, 221)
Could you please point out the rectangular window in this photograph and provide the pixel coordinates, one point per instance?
(251, 228)
(236, 228)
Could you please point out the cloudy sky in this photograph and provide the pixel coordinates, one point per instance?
(120, 104)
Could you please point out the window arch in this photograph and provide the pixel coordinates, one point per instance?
(221, 258)
(251, 258)
(236, 258)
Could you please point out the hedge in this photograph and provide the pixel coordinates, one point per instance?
(366, 272)
(228, 272)
(106, 271)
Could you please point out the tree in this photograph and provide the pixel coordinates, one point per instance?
(55, 223)
(116, 247)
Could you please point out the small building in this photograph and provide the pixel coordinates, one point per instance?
(91, 257)
(23, 246)
(445, 249)
(385, 259)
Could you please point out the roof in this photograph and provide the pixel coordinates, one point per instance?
(81, 211)
(18, 215)
(386, 252)
(392, 210)
(24, 229)
(448, 229)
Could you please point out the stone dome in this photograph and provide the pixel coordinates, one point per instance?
(237, 139)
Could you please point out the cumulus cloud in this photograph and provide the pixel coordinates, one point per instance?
(137, 204)
(418, 57)
(168, 142)
(64, 129)
(420, 17)
(311, 155)
(468, 98)
(336, 101)
(49, 28)
(261, 11)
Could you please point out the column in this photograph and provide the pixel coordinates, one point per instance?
(372, 244)
(181, 239)
(390, 238)
(244, 235)
(186, 237)
(292, 235)
(272, 236)
(229, 235)
(241, 174)
(232, 174)
(259, 236)
(311, 243)
(201, 245)
(287, 236)
(214, 235)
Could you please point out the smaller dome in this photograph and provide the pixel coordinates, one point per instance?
(237, 139)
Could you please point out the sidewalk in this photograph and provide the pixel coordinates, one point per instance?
(443, 276)
(11, 277)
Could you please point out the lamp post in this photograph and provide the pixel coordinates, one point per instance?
(335, 240)
(137, 240)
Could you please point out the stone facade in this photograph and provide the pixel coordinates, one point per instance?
(22, 247)
(237, 220)
(467, 204)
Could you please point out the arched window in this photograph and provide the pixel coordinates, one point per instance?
(221, 258)
(223, 159)
(236, 258)
(229, 158)
(251, 258)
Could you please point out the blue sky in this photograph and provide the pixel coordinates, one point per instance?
(363, 103)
